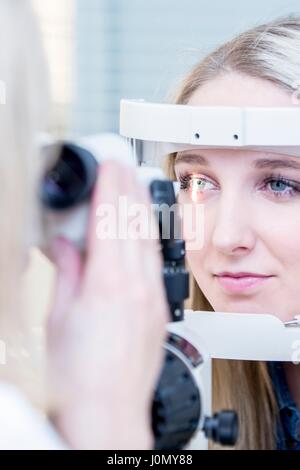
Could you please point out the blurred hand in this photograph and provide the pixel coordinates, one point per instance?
(106, 329)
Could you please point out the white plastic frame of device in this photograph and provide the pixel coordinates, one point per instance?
(156, 130)
(167, 128)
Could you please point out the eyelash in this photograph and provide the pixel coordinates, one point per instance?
(293, 186)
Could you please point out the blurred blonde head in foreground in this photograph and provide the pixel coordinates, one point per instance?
(24, 90)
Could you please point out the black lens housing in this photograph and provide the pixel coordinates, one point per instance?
(71, 180)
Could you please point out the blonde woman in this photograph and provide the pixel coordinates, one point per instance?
(97, 400)
(252, 225)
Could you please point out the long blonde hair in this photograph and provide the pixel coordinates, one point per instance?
(23, 112)
(272, 52)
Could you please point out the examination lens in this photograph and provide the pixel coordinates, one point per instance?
(71, 180)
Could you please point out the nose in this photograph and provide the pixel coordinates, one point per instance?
(233, 232)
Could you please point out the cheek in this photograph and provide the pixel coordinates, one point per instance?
(192, 222)
(197, 233)
(196, 260)
(282, 237)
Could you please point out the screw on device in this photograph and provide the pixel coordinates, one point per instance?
(222, 427)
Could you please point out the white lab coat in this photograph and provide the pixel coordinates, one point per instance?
(22, 427)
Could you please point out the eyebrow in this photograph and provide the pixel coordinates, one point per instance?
(274, 164)
(260, 164)
(191, 158)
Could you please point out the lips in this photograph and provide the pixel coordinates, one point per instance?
(241, 281)
(240, 274)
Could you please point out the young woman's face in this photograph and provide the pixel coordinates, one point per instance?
(251, 206)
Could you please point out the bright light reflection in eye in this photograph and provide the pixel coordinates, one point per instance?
(196, 188)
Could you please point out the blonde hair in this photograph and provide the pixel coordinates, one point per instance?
(23, 104)
(272, 52)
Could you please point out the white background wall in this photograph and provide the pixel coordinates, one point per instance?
(102, 50)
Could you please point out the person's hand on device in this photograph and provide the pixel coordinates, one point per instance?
(106, 329)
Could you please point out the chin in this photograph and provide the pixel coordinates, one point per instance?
(246, 306)
(239, 305)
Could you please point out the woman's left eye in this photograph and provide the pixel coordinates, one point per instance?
(281, 187)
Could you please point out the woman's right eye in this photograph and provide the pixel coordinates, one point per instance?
(195, 184)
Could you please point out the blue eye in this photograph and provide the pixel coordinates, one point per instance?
(278, 185)
(281, 187)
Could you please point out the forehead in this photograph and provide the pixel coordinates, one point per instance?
(235, 89)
